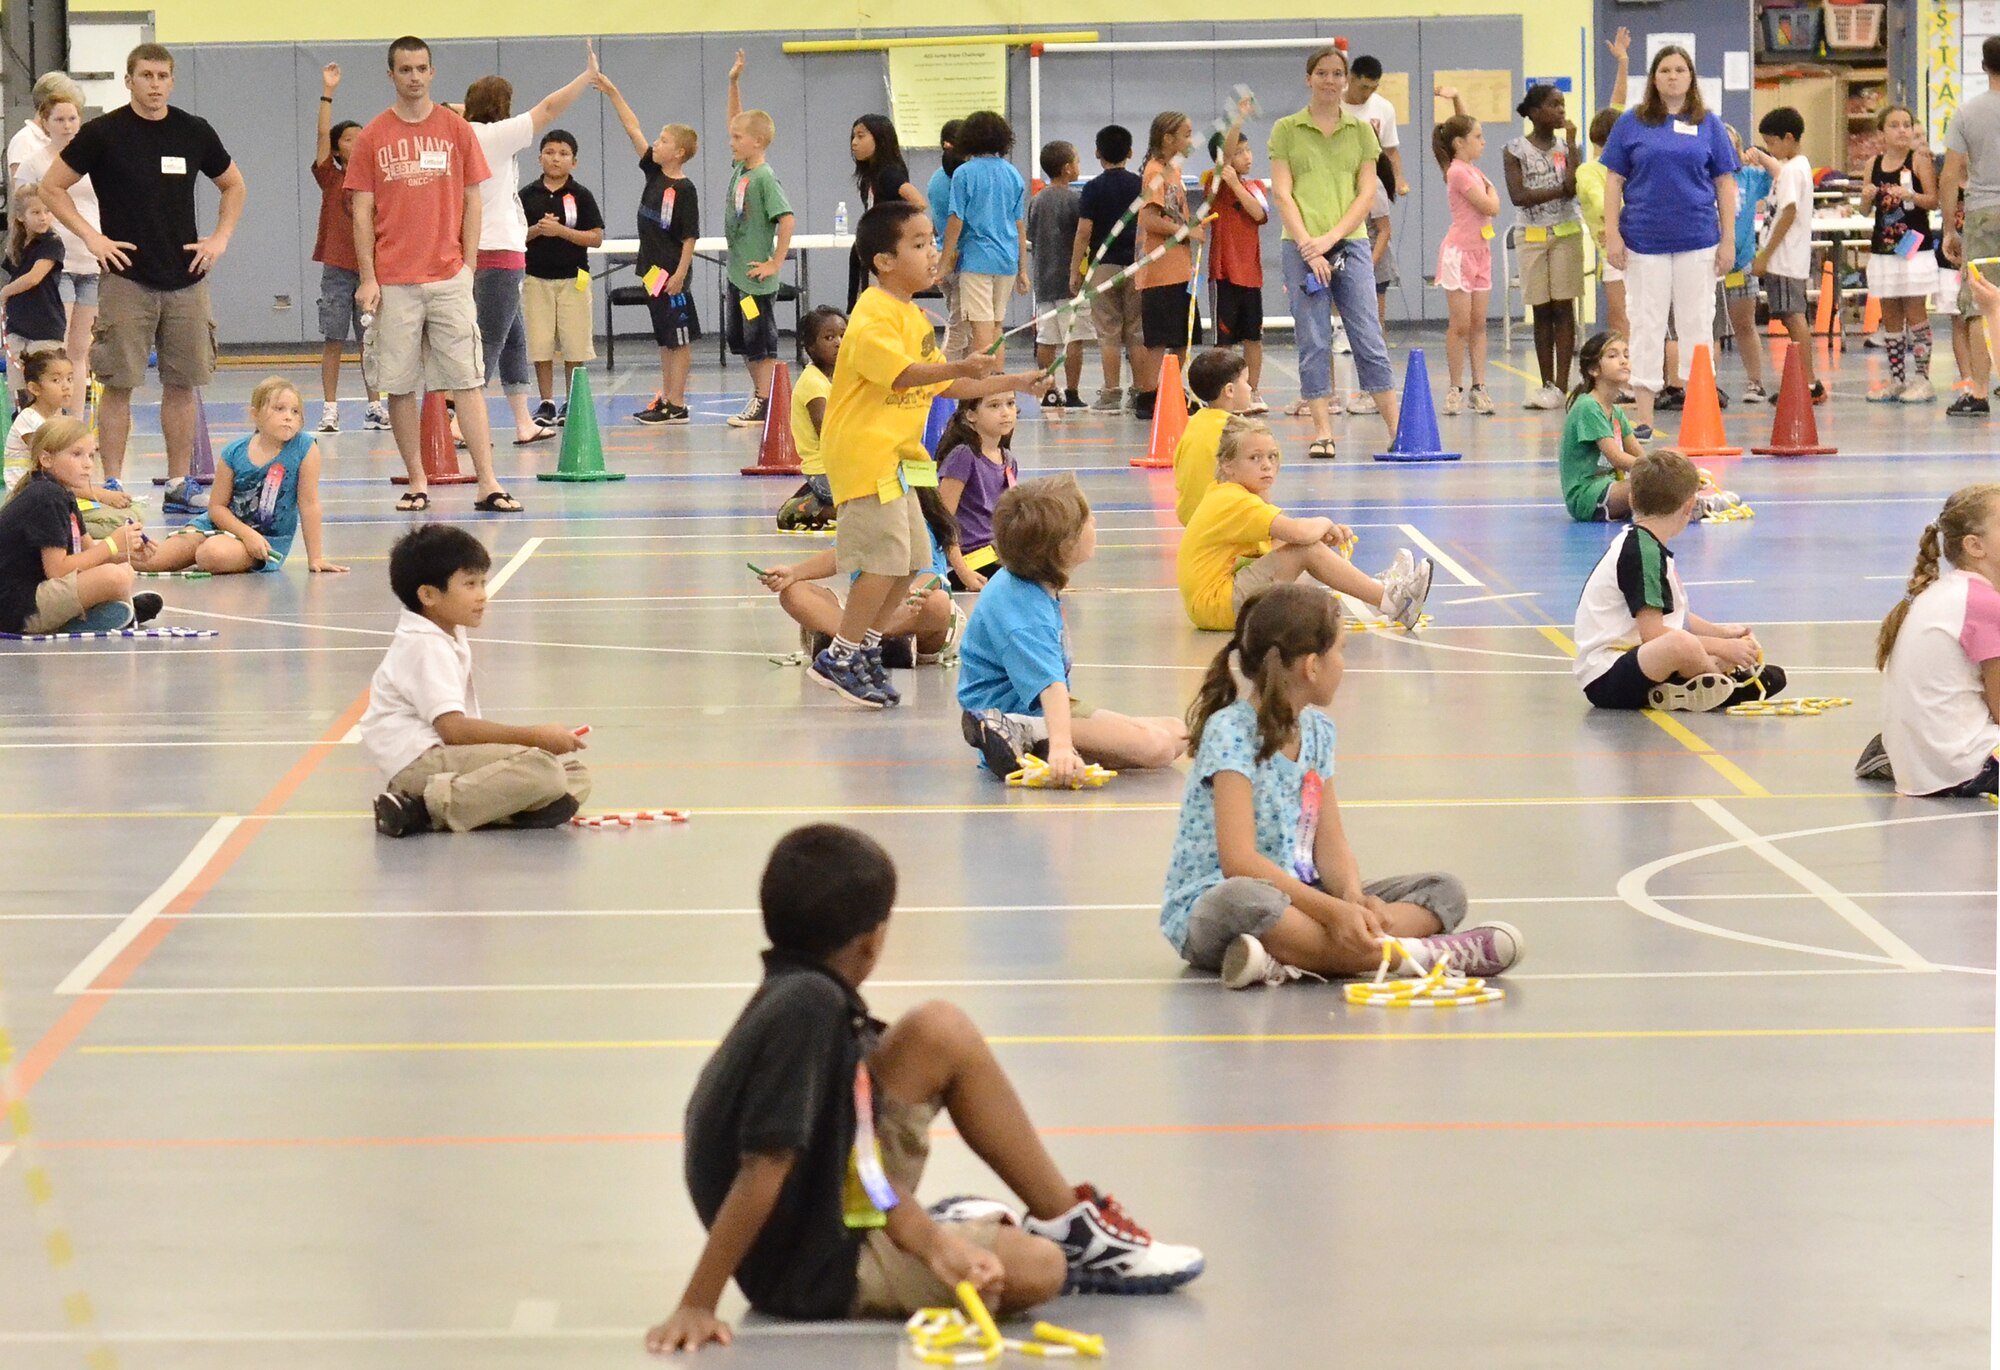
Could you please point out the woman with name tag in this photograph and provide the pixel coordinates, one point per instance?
(1669, 216)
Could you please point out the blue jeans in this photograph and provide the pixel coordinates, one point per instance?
(1352, 292)
(496, 296)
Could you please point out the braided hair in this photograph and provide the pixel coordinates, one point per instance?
(1967, 512)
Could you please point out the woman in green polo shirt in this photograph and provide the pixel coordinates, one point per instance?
(1323, 182)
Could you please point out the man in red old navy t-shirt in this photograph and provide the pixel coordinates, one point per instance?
(415, 175)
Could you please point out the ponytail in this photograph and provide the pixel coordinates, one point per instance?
(1274, 630)
(1218, 687)
(1966, 513)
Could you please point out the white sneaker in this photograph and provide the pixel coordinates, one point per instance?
(1918, 391)
(1454, 402)
(378, 418)
(1546, 397)
(1108, 1253)
(1361, 402)
(970, 1208)
(1489, 948)
(1482, 403)
(1257, 404)
(1341, 347)
(1707, 691)
(1753, 392)
(1246, 963)
(329, 417)
(1405, 587)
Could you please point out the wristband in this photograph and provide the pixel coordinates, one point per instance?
(326, 99)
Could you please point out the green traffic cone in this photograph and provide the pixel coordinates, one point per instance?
(582, 456)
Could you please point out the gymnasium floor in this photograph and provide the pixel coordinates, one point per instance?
(337, 1101)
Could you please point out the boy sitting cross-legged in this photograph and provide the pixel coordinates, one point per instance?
(1638, 645)
(809, 1128)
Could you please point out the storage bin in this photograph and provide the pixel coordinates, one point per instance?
(1854, 26)
(1791, 30)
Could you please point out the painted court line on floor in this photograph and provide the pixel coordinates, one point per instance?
(135, 923)
(1440, 558)
(1807, 879)
(1632, 886)
(1192, 981)
(1071, 1039)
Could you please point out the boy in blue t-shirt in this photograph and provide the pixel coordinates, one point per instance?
(986, 229)
(1013, 679)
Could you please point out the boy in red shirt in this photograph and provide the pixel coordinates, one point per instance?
(1235, 259)
(333, 249)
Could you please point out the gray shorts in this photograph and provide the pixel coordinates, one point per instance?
(1786, 295)
(339, 318)
(1242, 904)
(78, 287)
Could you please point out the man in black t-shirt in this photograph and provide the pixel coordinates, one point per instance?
(669, 223)
(154, 298)
(563, 225)
(809, 1127)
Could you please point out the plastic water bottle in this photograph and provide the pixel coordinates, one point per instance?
(840, 217)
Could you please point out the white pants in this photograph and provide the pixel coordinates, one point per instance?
(1684, 281)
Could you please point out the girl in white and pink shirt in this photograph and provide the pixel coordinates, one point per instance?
(1465, 257)
(1940, 652)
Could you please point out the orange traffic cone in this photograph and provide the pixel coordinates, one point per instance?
(777, 454)
(1701, 415)
(1795, 434)
(440, 456)
(1169, 418)
(1871, 316)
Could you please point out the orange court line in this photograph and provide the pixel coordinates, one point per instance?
(1115, 1130)
(63, 1033)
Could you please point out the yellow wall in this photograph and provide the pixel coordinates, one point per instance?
(1550, 36)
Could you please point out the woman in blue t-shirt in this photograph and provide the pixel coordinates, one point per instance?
(1669, 216)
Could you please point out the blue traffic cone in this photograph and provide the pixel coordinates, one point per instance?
(1417, 429)
(941, 411)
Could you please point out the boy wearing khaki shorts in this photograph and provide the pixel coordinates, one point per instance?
(564, 223)
(808, 1130)
(872, 441)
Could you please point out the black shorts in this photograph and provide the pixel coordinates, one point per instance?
(1163, 317)
(675, 323)
(1624, 686)
(754, 340)
(1239, 313)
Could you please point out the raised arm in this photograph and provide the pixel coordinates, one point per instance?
(556, 101)
(736, 84)
(627, 119)
(1620, 44)
(329, 82)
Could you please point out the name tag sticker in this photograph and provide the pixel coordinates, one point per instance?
(1486, 231)
(173, 166)
(1569, 229)
(1533, 234)
(1683, 126)
(434, 161)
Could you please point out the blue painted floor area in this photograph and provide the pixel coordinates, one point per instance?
(334, 1100)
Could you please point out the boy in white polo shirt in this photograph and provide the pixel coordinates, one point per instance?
(448, 768)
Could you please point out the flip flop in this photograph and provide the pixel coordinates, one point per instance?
(499, 502)
(415, 502)
(537, 434)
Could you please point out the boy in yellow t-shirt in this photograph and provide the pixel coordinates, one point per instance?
(1219, 380)
(1239, 543)
(888, 369)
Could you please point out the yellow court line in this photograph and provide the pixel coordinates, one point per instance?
(1122, 1039)
(1058, 805)
(1681, 733)
(1515, 371)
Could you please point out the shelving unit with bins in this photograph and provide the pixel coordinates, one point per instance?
(1838, 89)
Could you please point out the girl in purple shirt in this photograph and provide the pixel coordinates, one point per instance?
(975, 467)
